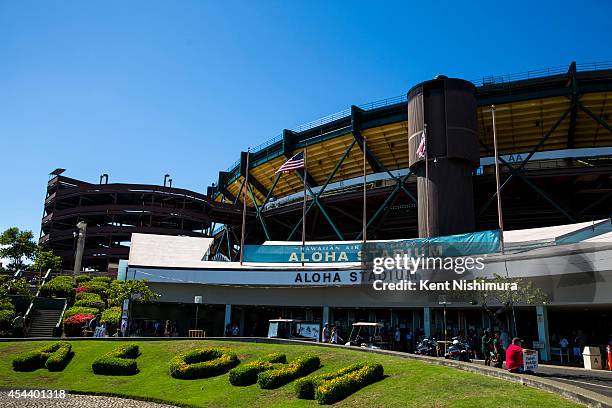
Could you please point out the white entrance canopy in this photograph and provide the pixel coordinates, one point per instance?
(167, 251)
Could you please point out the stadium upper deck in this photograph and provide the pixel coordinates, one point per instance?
(554, 135)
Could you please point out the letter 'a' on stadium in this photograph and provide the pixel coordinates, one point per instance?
(424, 193)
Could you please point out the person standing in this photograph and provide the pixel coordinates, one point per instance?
(498, 351)
(326, 333)
(397, 338)
(486, 346)
(168, 329)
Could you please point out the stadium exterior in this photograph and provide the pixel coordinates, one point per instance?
(555, 141)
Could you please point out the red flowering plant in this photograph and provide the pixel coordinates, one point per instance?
(73, 325)
(80, 289)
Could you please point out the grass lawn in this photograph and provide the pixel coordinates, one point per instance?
(408, 383)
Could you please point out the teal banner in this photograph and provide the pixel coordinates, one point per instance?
(483, 242)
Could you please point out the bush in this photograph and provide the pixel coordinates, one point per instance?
(73, 325)
(80, 310)
(246, 374)
(81, 279)
(202, 363)
(299, 367)
(93, 300)
(333, 390)
(80, 289)
(54, 357)
(60, 286)
(102, 279)
(98, 287)
(111, 317)
(119, 361)
(305, 387)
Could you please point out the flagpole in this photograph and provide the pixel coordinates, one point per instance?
(500, 217)
(244, 206)
(304, 202)
(365, 225)
(426, 180)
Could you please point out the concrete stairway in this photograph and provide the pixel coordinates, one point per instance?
(43, 322)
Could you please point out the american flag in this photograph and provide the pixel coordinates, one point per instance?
(294, 163)
(422, 149)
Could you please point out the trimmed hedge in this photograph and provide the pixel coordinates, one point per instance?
(60, 286)
(92, 286)
(202, 363)
(299, 367)
(87, 299)
(103, 279)
(305, 387)
(74, 310)
(55, 357)
(119, 361)
(333, 390)
(73, 325)
(111, 317)
(246, 374)
(81, 279)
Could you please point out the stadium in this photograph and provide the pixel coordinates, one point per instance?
(555, 145)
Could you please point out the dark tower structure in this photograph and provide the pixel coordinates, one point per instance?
(447, 108)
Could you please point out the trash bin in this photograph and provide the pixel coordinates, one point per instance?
(592, 358)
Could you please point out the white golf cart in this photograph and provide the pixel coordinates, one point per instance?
(294, 329)
(366, 335)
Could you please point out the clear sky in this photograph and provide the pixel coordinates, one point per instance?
(142, 88)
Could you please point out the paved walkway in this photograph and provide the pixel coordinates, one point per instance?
(598, 381)
(75, 401)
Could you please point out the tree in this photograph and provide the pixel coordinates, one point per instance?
(497, 302)
(17, 246)
(121, 290)
(45, 260)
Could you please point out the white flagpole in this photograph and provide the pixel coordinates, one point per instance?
(500, 217)
(304, 203)
(365, 224)
(426, 179)
(244, 206)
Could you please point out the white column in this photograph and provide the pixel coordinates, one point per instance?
(542, 319)
(228, 316)
(427, 321)
(325, 314)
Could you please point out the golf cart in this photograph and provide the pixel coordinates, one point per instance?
(366, 335)
(293, 329)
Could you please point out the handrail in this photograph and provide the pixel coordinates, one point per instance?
(486, 80)
(44, 280)
(61, 318)
(17, 274)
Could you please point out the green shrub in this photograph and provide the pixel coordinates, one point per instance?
(299, 367)
(81, 279)
(246, 374)
(54, 357)
(80, 310)
(102, 279)
(119, 361)
(60, 286)
(335, 389)
(305, 387)
(202, 363)
(111, 317)
(93, 300)
(98, 287)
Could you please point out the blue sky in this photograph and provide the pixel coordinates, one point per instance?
(139, 89)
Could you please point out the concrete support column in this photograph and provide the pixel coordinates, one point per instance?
(325, 314)
(427, 321)
(241, 324)
(228, 317)
(542, 319)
